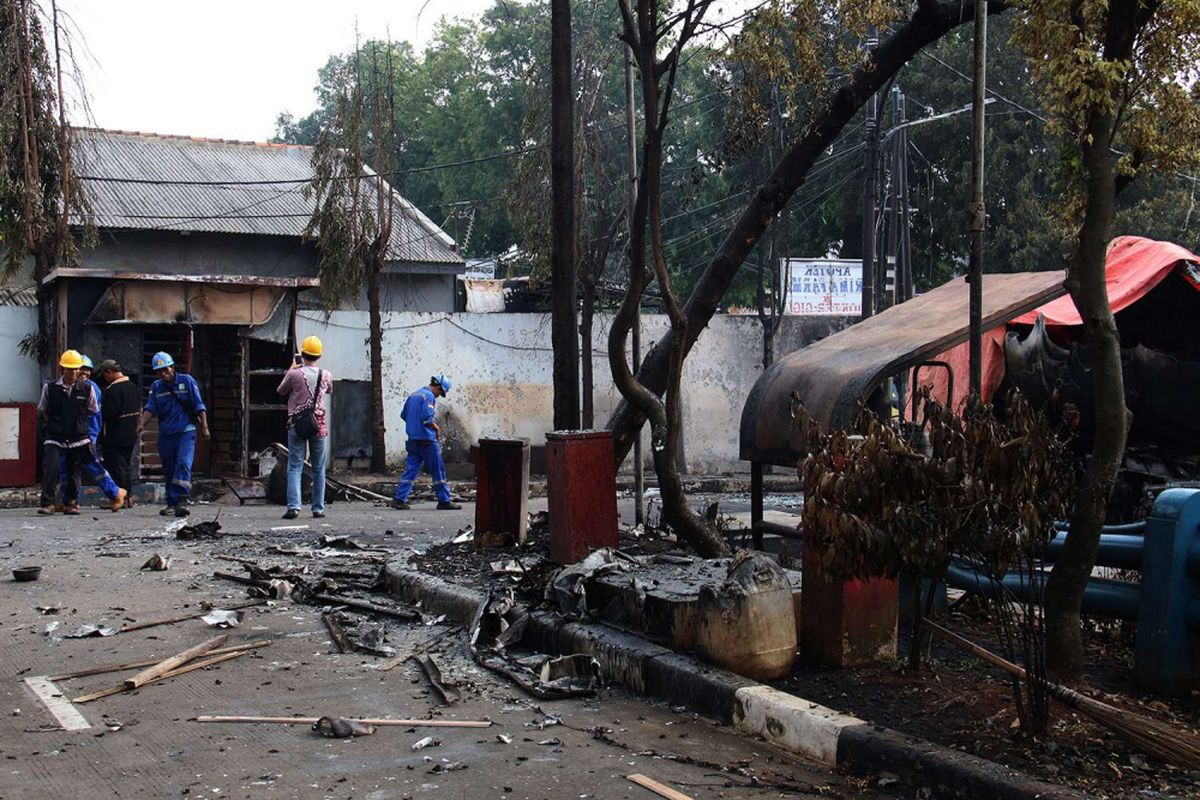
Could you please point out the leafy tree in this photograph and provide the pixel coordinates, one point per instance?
(39, 189)
(352, 217)
(1121, 80)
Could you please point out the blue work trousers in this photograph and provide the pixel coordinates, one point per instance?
(55, 457)
(317, 450)
(423, 454)
(176, 451)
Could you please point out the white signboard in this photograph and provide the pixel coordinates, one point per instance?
(821, 286)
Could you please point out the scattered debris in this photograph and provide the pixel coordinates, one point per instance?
(157, 563)
(428, 741)
(175, 661)
(339, 637)
(289, 528)
(509, 567)
(183, 670)
(346, 543)
(222, 618)
(406, 614)
(341, 728)
(149, 662)
(137, 626)
(446, 690)
(201, 530)
(503, 738)
(465, 535)
(399, 723)
(659, 789)
(79, 631)
(47, 610)
(446, 766)
(567, 590)
(497, 624)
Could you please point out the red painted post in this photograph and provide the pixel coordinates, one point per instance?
(501, 488)
(582, 489)
(19, 444)
(846, 622)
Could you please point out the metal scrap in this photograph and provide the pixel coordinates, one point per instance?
(201, 530)
(342, 728)
(444, 689)
(157, 563)
(567, 590)
(499, 623)
(79, 631)
(222, 618)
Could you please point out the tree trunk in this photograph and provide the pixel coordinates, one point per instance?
(929, 23)
(564, 323)
(1086, 282)
(378, 441)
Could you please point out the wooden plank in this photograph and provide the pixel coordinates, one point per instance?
(149, 662)
(402, 723)
(175, 661)
(195, 665)
(57, 704)
(659, 789)
(137, 626)
(339, 637)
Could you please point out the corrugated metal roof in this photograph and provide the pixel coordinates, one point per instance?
(25, 296)
(833, 376)
(264, 209)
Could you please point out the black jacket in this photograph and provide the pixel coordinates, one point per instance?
(120, 408)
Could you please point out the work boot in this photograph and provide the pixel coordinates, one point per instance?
(119, 501)
(400, 505)
(129, 500)
(318, 515)
(181, 510)
(167, 511)
(71, 509)
(291, 513)
(446, 505)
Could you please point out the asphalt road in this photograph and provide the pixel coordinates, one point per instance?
(143, 744)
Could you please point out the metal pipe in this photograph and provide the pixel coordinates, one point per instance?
(756, 504)
(1116, 551)
(1102, 597)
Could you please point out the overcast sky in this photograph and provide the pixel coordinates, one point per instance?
(226, 68)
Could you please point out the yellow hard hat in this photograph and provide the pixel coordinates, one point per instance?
(311, 346)
(70, 360)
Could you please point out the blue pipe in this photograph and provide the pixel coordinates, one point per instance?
(1138, 527)
(1117, 550)
(1102, 597)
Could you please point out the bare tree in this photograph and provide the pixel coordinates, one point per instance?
(649, 32)
(352, 220)
(931, 20)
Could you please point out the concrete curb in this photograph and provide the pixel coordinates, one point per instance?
(787, 721)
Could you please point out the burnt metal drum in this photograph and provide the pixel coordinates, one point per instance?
(834, 376)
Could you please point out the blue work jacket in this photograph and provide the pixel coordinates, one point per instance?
(175, 403)
(418, 414)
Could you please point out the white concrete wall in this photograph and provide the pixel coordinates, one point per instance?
(20, 382)
(501, 368)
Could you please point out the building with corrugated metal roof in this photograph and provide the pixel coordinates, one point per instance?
(201, 252)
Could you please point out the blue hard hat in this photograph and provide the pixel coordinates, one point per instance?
(87, 362)
(442, 381)
(160, 361)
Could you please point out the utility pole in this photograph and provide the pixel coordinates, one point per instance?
(976, 211)
(564, 328)
(905, 251)
(892, 293)
(870, 188)
(639, 472)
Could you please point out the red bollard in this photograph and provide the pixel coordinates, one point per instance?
(581, 482)
(501, 488)
(846, 622)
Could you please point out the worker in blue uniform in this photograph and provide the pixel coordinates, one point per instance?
(423, 449)
(175, 400)
(94, 424)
